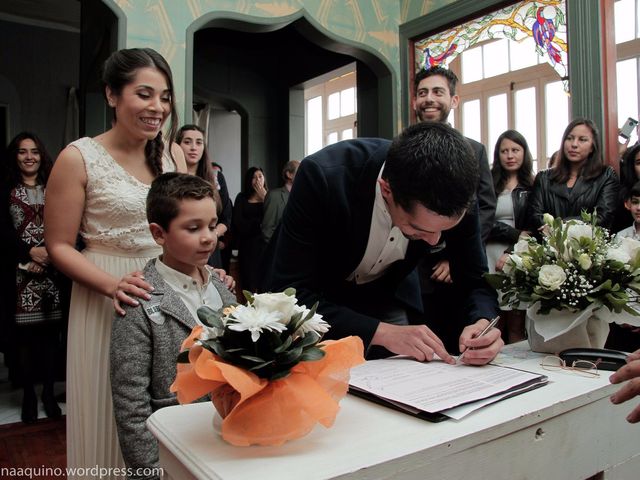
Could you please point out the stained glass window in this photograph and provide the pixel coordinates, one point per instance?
(544, 21)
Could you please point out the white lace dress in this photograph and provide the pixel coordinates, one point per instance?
(115, 230)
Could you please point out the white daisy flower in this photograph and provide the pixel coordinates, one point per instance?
(247, 318)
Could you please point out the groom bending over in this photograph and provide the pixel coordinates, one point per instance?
(361, 215)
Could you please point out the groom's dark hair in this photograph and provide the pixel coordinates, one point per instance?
(432, 164)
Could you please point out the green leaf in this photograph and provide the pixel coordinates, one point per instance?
(290, 292)
(292, 356)
(262, 365)
(311, 338)
(286, 344)
(312, 354)
(251, 358)
(248, 295)
(211, 318)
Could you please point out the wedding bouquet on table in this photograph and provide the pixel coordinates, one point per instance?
(574, 282)
(268, 375)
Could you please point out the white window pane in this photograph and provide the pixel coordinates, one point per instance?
(525, 114)
(625, 28)
(472, 65)
(332, 138)
(471, 119)
(556, 113)
(498, 117)
(333, 106)
(347, 102)
(522, 54)
(451, 119)
(495, 57)
(314, 125)
(627, 82)
(347, 134)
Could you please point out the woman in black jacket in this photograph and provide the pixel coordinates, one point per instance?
(580, 180)
(512, 173)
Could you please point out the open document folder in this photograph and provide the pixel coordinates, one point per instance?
(436, 390)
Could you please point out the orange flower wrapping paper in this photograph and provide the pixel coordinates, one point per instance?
(259, 412)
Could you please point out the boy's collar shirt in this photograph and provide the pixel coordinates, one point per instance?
(189, 290)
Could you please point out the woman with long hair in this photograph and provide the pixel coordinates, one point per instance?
(512, 173)
(579, 181)
(98, 188)
(191, 140)
(39, 289)
(247, 220)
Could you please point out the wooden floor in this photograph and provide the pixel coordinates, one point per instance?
(38, 446)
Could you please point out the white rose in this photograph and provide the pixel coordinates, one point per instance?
(618, 254)
(584, 261)
(521, 247)
(579, 230)
(277, 303)
(631, 246)
(551, 276)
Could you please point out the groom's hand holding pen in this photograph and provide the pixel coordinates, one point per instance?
(480, 344)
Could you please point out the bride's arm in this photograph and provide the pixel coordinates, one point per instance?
(64, 206)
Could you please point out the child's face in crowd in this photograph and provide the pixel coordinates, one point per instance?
(636, 164)
(633, 205)
(190, 239)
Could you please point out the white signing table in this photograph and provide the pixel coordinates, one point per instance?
(565, 430)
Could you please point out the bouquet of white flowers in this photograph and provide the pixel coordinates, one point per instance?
(267, 336)
(576, 266)
(268, 376)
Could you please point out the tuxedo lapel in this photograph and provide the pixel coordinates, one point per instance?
(362, 210)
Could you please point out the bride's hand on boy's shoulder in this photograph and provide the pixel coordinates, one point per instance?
(228, 280)
(128, 287)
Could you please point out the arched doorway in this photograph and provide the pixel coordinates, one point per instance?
(260, 68)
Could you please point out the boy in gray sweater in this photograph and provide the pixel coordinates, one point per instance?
(146, 341)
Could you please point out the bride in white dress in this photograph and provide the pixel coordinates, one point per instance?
(98, 188)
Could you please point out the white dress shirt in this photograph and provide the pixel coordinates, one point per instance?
(191, 292)
(386, 243)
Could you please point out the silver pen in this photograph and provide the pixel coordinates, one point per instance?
(484, 331)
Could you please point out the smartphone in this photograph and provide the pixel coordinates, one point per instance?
(627, 128)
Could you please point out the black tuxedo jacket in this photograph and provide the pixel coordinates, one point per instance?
(324, 234)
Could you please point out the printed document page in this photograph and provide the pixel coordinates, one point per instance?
(436, 386)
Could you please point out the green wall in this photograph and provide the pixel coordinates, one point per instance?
(167, 26)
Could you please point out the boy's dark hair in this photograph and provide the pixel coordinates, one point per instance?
(166, 192)
(451, 77)
(634, 191)
(432, 164)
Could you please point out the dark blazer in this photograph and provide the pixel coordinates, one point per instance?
(485, 192)
(324, 234)
(501, 232)
(554, 198)
(144, 349)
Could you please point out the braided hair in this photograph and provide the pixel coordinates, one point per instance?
(119, 70)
